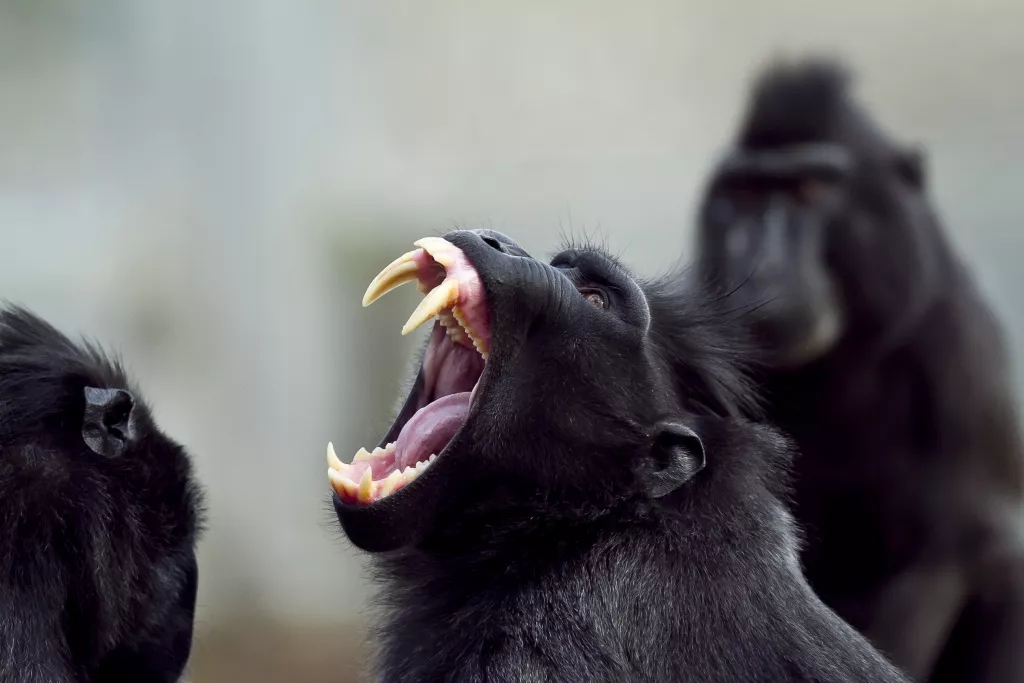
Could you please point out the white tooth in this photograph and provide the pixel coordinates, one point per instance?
(366, 487)
(333, 461)
(478, 343)
(343, 486)
(403, 269)
(361, 454)
(387, 487)
(439, 298)
(439, 249)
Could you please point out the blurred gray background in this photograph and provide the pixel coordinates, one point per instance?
(208, 188)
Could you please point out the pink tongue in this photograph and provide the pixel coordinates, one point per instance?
(431, 428)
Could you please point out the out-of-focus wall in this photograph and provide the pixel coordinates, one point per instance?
(208, 187)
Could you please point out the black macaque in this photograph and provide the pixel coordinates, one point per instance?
(570, 494)
(99, 516)
(888, 370)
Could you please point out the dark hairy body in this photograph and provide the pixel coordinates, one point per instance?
(889, 371)
(99, 516)
(601, 512)
(626, 594)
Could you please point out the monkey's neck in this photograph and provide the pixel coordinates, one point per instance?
(598, 593)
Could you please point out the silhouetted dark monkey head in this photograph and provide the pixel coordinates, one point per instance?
(814, 219)
(570, 381)
(99, 518)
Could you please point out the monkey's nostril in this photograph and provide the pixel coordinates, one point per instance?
(493, 243)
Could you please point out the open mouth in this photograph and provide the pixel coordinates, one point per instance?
(452, 365)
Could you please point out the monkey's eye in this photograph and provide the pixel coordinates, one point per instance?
(595, 297)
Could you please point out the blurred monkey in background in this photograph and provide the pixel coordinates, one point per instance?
(889, 370)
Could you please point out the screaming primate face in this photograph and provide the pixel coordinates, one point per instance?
(764, 237)
(816, 223)
(537, 380)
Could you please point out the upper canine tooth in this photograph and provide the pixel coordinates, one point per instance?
(439, 249)
(439, 298)
(403, 269)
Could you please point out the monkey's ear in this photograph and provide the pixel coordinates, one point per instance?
(676, 455)
(910, 164)
(107, 422)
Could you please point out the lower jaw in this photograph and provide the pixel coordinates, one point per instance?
(451, 369)
(372, 476)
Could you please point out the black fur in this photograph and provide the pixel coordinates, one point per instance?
(98, 519)
(910, 480)
(604, 514)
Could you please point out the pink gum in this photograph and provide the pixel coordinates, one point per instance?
(472, 299)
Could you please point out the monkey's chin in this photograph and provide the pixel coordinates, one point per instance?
(440, 402)
(816, 343)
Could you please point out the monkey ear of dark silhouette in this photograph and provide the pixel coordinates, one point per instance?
(107, 422)
(676, 455)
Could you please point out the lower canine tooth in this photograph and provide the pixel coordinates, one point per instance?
(333, 461)
(366, 487)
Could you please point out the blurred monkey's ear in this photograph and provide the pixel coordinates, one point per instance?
(911, 164)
